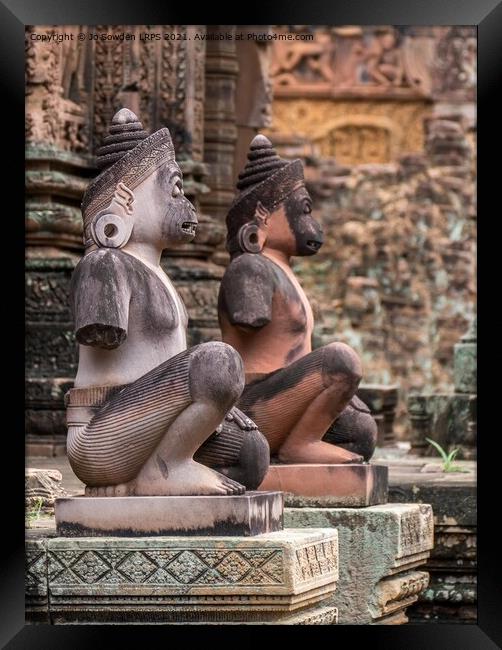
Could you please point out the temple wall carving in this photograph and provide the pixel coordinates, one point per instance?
(361, 94)
(352, 131)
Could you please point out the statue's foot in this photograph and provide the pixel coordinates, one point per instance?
(188, 478)
(120, 490)
(316, 452)
(184, 478)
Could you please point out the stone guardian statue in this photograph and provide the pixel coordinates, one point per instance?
(303, 400)
(147, 416)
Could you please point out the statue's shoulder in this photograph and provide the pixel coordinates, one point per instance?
(104, 262)
(105, 269)
(251, 265)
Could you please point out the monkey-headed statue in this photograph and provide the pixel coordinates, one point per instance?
(147, 416)
(303, 401)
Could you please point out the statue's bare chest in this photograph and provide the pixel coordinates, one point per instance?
(291, 304)
(155, 307)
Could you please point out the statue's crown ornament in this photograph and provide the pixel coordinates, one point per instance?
(128, 156)
(124, 133)
(267, 178)
(262, 162)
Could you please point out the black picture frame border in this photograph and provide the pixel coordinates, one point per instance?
(14, 16)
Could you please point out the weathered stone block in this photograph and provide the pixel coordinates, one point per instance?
(451, 595)
(42, 484)
(329, 485)
(465, 368)
(252, 513)
(381, 548)
(35, 580)
(287, 577)
(451, 420)
(453, 499)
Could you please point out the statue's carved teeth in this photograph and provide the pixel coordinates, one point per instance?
(189, 227)
(315, 245)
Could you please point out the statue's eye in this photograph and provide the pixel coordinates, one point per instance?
(307, 207)
(177, 189)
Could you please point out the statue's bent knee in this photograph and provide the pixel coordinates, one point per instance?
(216, 374)
(368, 437)
(254, 459)
(340, 359)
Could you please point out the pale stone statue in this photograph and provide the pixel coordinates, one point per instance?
(143, 404)
(303, 400)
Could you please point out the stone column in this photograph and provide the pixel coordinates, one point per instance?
(220, 131)
(253, 103)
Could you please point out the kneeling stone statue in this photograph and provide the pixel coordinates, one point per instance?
(303, 400)
(147, 416)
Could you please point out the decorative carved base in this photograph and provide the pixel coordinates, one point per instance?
(381, 548)
(248, 514)
(287, 577)
(328, 485)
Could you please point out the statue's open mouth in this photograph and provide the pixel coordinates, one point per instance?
(189, 227)
(314, 245)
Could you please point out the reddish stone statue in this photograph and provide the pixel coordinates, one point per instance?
(303, 401)
(148, 416)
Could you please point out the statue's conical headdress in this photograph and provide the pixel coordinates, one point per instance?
(124, 133)
(128, 155)
(266, 178)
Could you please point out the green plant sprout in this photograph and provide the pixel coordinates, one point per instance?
(34, 513)
(447, 458)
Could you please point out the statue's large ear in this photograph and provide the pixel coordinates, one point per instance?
(112, 227)
(249, 238)
(252, 235)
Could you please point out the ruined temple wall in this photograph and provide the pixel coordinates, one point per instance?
(387, 131)
(396, 277)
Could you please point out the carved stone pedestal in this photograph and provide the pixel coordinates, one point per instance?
(382, 550)
(287, 577)
(248, 514)
(333, 485)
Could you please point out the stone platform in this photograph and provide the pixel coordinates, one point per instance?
(286, 577)
(334, 485)
(252, 513)
(383, 550)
